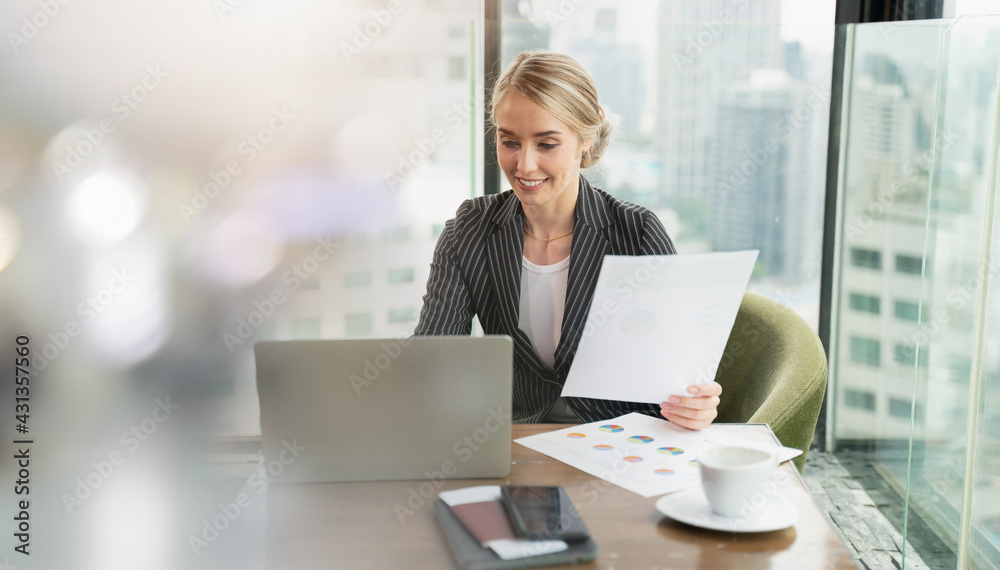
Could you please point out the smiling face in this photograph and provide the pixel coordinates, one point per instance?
(539, 154)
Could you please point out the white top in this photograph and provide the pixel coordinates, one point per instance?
(543, 299)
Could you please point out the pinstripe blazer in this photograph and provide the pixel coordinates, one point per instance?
(476, 270)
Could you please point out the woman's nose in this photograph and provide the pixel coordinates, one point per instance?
(527, 160)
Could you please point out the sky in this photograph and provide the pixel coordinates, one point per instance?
(976, 7)
(810, 23)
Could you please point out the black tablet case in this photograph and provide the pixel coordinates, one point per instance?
(473, 556)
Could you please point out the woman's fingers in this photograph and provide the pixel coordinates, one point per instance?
(710, 389)
(689, 423)
(697, 411)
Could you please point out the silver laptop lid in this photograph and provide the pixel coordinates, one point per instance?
(385, 409)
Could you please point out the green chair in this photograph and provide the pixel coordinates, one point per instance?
(773, 371)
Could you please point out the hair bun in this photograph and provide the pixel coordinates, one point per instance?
(601, 140)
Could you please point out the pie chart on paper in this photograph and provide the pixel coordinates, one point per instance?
(640, 439)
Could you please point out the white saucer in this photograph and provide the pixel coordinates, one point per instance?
(691, 507)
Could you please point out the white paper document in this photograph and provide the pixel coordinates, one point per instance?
(657, 324)
(643, 454)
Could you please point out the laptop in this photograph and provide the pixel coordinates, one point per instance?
(434, 408)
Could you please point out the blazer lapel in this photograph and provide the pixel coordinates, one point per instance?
(506, 248)
(590, 245)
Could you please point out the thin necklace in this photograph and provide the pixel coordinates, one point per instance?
(548, 239)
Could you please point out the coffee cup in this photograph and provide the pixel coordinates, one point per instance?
(730, 475)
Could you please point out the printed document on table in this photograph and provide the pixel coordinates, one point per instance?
(657, 324)
(646, 455)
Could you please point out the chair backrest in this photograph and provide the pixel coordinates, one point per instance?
(773, 371)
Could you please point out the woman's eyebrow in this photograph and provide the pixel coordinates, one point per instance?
(537, 135)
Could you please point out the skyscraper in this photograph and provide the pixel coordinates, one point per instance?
(767, 193)
(705, 47)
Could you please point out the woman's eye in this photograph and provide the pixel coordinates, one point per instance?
(547, 146)
(509, 144)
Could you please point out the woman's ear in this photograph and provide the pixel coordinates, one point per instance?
(588, 146)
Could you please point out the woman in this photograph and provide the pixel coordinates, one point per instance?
(526, 261)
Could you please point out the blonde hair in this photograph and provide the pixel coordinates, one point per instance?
(560, 85)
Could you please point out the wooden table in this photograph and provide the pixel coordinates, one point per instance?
(391, 524)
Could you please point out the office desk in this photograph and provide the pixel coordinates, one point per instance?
(363, 525)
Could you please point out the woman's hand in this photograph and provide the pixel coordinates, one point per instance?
(696, 411)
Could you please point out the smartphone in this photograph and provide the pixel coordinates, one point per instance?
(543, 513)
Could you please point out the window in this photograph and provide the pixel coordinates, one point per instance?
(696, 133)
(866, 350)
(223, 388)
(397, 316)
(456, 67)
(306, 328)
(310, 282)
(961, 369)
(401, 275)
(866, 258)
(906, 310)
(900, 408)
(357, 324)
(859, 399)
(398, 233)
(865, 303)
(908, 264)
(904, 354)
(358, 279)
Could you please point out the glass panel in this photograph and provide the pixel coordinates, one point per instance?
(901, 408)
(182, 179)
(964, 414)
(886, 153)
(887, 134)
(721, 110)
(966, 124)
(906, 353)
(920, 157)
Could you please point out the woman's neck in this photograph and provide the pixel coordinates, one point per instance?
(553, 218)
(547, 226)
